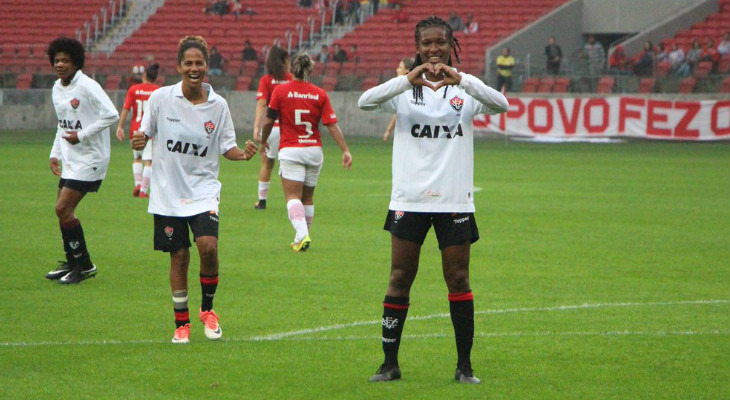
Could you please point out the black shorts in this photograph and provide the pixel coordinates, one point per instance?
(80, 186)
(172, 234)
(450, 228)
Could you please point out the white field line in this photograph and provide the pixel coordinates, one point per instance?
(297, 334)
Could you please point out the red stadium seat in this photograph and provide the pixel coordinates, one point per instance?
(329, 83)
(646, 85)
(562, 85)
(530, 85)
(112, 82)
(687, 85)
(703, 69)
(24, 81)
(369, 82)
(725, 85)
(605, 84)
(243, 83)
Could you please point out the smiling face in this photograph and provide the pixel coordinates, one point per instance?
(433, 45)
(192, 68)
(64, 66)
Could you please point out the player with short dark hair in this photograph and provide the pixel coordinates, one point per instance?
(300, 106)
(84, 113)
(433, 168)
(191, 127)
(137, 96)
(277, 72)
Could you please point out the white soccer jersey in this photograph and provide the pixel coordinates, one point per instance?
(433, 142)
(84, 107)
(188, 142)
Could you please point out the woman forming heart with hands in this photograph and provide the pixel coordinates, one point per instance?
(433, 183)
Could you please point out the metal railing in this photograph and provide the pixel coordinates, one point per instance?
(101, 22)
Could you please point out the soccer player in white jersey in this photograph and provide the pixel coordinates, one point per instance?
(433, 167)
(300, 106)
(192, 127)
(81, 145)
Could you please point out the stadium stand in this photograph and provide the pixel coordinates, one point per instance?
(606, 84)
(646, 85)
(687, 85)
(725, 85)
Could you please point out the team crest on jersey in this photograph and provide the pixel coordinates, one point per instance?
(209, 127)
(399, 215)
(75, 103)
(456, 103)
(169, 231)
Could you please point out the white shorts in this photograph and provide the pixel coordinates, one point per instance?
(273, 142)
(301, 164)
(145, 154)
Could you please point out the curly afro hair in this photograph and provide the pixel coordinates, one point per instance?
(72, 47)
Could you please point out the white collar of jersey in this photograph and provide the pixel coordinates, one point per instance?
(212, 96)
(74, 80)
(435, 82)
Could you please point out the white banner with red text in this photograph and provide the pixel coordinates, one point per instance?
(611, 117)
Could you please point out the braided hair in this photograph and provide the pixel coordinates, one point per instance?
(434, 21)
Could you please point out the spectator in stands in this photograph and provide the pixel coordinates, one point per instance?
(470, 25)
(399, 15)
(248, 53)
(723, 49)
(305, 3)
(215, 62)
(618, 61)
(338, 54)
(662, 54)
(595, 55)
(354, 56)
(353, 11)
(219, 7)
(505, 65)
(709, 53)
(455, 22)
(676, 58)
(374, 5)
(554, 55)
(235, 8)
(403, 68)
(324, 54)
(644, 61)
(80, 152)
(693, 57)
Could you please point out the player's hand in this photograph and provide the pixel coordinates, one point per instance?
(139, 140)
(346, 160)
(257, 136)
(386, 135)
(72, 137)
(450, 75)
(415, 77)
(249, 150)
(55, 167)
(120, 134)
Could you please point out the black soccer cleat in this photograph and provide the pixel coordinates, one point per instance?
(464, 374)
(260, 205)
(386, 373)
(77, 275)
(63, 268)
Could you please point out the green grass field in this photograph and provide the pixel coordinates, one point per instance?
(603, 272)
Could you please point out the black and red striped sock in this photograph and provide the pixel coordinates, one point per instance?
(208, 283)
(461, 306)
(395, 310)
(73, 236)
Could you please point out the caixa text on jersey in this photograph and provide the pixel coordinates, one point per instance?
(435, 131)
(176, 146)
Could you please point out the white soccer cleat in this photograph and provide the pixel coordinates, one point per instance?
(210, 321)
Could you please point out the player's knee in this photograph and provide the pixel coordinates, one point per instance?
(63, 211)
(208, 250)
(458, 281)
(401, 279)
